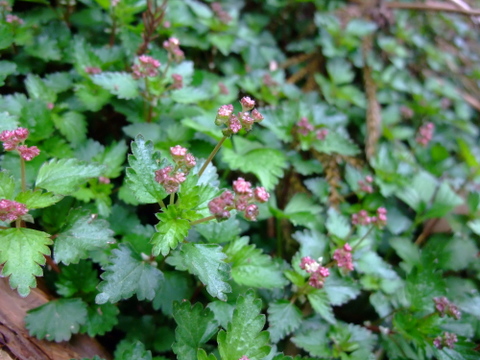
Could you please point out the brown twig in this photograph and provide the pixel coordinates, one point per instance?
(433, 6)
(152, 18)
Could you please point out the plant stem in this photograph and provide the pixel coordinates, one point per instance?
(162, 204)
(208, 218)
(22, 174)
(279, 238)
(363, 238)
(172, 198)
(114, 30)
(210, 157)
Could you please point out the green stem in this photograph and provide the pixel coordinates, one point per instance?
(18, 223)
(162, 204)
(212, 154)
(172, 198)
(22, 174)
(208, 218)
(363, 238)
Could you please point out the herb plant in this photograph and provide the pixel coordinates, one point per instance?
(243, 180)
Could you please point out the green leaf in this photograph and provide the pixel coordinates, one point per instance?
(176, 287)
(244, 335)
(113, 159)
(128, 274)
(100, 319)
(82, 233)
(129, 350)
(44, 48)
(251, 267)
(37, 199)
(284, 318)
(445, 201)
(202, 355)
(144, 161)
(57, 320)
(340, 289)
(21, 253)
(219, 232)
(267, 164)
(321, 304)
(336, 143)
(6, 68)
(315, 341)
(76, 279)
(37, 89)
(340, 71)
(66, 175)
(7, 185)
(171, 230)
(118, 83)
(302, 210)
(312, 243)
(189, 338)
(7, 121)
(337, 224)
(208, 263)
(73, 126)
(189, 95)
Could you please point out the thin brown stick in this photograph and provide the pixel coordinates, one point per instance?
(432, 6)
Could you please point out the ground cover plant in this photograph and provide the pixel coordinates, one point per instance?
(233, 180)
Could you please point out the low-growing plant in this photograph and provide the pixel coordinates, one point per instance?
(200, 180)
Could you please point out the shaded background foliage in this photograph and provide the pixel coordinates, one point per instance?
(369, 74)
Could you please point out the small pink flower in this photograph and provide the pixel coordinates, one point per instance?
(234, 125)
(11, 210)
(381, 219)
(257, 117)
(425, 134)
(321, 134)
(446, 339)
(247, 103)
(28, 153)
(251, 212)
(221, 206)
(174, 51)
(304, 127)
(178, 151)
(261, 195)
(309, 265)
(244, 357)
(177, 81)
(240, 186)
(343, 257)
(147, 66)
(104, 180)
(223, 89)
(92, 70)
(223, 114)
(445, 307)
(13, 19)
(361, 218)
(221, 14)
(190, 161)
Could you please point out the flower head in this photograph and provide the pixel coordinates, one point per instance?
(247, 103)
(304, 127)
(177, 81)
(343, 257)
(146, 66)
(445, 307)
(11, 210)
(425, 134)
(172, 45)
(28, 153)
(446, 339)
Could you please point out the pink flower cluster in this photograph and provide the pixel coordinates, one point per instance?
(92, 70)
(445, 307)
(343, 257)
(177, 81)
(242, 199)
(318, 272)
(171, 177)
(446, 339)
(172, 46)
(11, 210)
(243, 120)
(425, 134)
(365, 184)
(5, 5)
(305, 128)
(13, 19)
(146, 66)
(362, 218)
(221, 14)
(244, 357)
(13, 138)
(223, 89)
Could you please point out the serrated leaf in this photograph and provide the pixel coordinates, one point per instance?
(251, 267)
(7, 185)
(37, 199)
(120, 84)
(340, 290)
(144, 161)
(189, 338)
(189, 95)
(302, 210)
(208, 263)
(284, 318)
(445, 201)
(244, 335)
(314, 341)
(128, 274)
(321, 304)
(76, 279)
(312, 243)
(57, 320)
(21, 253)
(337, 224)
(130, 349)
(175, 287)
(81, 234)
(100, 319)
(73, 126)
(267, 164)
(202, 355)
(336, 143)
(171, 230)
(8, 122)
(65, 175)
(219, 232)
(6, 68)
(113, 158)
(37, 89)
